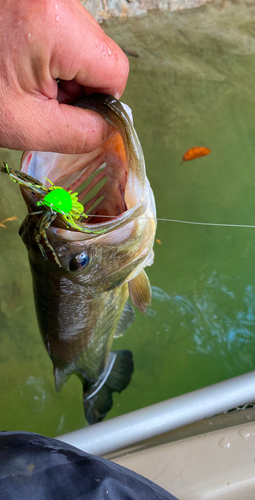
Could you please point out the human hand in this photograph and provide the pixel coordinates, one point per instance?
(46, 40)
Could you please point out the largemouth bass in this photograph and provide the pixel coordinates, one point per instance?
(82, 302)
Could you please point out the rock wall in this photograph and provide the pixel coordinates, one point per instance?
(104, 9)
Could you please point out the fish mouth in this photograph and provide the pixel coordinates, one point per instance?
(110, 181)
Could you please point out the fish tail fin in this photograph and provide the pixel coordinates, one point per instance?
(118, 373)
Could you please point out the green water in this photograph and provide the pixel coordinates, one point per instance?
(193, 84)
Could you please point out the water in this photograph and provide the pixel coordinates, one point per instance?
(193, 84)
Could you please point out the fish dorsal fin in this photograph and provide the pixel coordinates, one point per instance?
(140, 291)
(126, 319)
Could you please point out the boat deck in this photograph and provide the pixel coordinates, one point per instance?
(216, 463)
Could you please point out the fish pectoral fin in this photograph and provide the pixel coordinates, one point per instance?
(140, 291)
(99, 402)
(126, 319)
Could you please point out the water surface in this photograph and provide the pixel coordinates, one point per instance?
(193, 84)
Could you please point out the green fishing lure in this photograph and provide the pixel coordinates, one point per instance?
(65, 203)
(55, 201)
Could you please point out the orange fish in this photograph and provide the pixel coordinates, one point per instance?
(195, 152)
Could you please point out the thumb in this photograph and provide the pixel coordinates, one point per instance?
(46, 125)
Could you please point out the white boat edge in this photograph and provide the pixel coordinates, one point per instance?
(181, 446)
(126, 430)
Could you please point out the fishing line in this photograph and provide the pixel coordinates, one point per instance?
(181, 221)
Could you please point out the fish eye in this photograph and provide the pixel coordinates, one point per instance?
(78, 262)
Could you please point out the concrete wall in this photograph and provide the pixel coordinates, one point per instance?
(104, 9)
